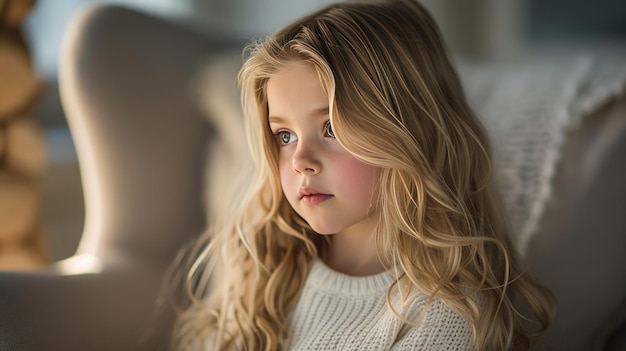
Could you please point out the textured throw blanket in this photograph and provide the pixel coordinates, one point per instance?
(527, 110)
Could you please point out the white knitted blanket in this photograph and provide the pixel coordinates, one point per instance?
(527, 110)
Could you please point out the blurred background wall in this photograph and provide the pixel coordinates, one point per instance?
(489, 30)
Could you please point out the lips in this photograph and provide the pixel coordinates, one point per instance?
(311, 196)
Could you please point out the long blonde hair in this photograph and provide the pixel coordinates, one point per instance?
(395, 102)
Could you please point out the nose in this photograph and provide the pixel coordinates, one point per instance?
(306, 160)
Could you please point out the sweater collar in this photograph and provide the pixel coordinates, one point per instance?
(325, 278)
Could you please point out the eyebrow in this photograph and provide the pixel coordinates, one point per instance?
(322, 111)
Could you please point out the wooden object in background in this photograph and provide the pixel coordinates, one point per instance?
(22, 146)
(19, 199)
(2, 143)
(12, 13)
(19, 86)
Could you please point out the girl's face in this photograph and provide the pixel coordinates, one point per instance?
(327, 186)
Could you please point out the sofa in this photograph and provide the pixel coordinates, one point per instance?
(147, 101)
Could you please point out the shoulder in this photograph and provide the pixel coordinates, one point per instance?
(440, 328)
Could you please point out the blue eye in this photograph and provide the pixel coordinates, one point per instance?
(328, 130)
(286, 138)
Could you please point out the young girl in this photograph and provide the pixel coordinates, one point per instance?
(371, 222)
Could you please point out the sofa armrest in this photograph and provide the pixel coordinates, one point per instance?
(125, 81)
(110, 310)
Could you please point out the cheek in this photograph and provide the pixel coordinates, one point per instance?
(287, 178)
(358, 178)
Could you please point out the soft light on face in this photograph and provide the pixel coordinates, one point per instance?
(331, 189)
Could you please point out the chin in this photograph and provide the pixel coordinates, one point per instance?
(322, 230)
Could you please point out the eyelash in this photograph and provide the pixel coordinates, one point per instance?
(328, 132)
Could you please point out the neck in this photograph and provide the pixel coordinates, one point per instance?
(354, 255)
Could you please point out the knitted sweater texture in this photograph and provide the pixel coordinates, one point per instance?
(341, 312)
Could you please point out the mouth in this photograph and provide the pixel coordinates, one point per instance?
(311, 196)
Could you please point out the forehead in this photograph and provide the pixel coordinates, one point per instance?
(295, 89)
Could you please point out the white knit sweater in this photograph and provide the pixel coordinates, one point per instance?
(341, 312)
